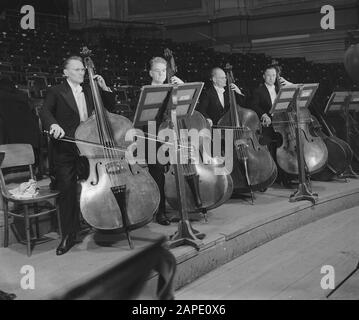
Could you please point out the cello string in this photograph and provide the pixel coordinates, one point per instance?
(99, 121)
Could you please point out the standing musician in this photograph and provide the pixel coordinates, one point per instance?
(214, 101)
(158, 74)
(262, 102)
(65, 106)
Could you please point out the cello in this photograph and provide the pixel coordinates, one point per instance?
(116, 195)
(346, 127)
(340, 154)
(253, 167)
(315, 150)
(204, 189)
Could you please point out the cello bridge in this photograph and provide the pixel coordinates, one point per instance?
(114, 167)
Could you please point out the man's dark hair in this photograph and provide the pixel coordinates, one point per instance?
(67, 61)
(268, 67)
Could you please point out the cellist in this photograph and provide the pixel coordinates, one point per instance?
(65, 106)
(158, 74)
(262, 101)
(214, 100)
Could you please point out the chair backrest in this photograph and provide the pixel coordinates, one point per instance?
(17, 155)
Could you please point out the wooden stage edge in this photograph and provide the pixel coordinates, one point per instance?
(232, 230)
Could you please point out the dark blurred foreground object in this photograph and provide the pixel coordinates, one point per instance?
(351, 62)
(19, 123)
(126, 280)
(7, 296)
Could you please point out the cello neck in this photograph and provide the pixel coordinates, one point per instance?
(102, 121)
(232, 98)
(171, 65)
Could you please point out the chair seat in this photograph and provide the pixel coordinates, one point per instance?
(44, 194)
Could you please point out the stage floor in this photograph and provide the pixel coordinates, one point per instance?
(232, 230)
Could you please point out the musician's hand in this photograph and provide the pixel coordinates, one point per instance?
(236, 89)
(210, 121)
(283, 82)
(56, 131)
(266, 120)
(176, 80)
(101, 83)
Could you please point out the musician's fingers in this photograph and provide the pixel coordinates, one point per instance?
(176, 80)
(99, 79)
(55, 133)
(62, 133)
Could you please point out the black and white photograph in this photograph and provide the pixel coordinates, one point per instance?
(195, 152)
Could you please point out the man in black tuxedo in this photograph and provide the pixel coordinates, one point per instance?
(262, 102)
(214, 101)
(65, 106)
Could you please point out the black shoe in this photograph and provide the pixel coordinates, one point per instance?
(66, 244)
(162, 220)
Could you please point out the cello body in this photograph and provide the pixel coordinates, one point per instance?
(253, 167)
(98, 204)
(314, 149)
(315, 152)
(352, 136)
(204, 188)
(116, 194)
(340, 154)
(262, 169)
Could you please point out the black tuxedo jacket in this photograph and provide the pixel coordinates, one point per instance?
(60, 107)
(211, 107)
(261, 101)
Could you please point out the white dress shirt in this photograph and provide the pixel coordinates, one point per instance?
(220, 93)
(80, 100)
(272, 92)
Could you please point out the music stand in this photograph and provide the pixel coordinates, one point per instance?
(344, 101)
(155, 101)
(297, 97)
(175, 101)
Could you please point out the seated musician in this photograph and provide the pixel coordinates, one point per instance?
(214, 100)
(158, 73)
(262, 101)
(65, 106)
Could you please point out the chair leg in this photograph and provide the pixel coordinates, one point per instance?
(27, 230)
(58, 218)
(6, 223)
(37, 229)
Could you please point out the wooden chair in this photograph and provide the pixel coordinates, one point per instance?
(19, 155)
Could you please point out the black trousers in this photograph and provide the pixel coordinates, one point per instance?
(157, 172)
(273, 141)
(66, 170)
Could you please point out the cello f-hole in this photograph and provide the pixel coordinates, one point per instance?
(94, 183)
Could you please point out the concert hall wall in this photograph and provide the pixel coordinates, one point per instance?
(235, 24)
